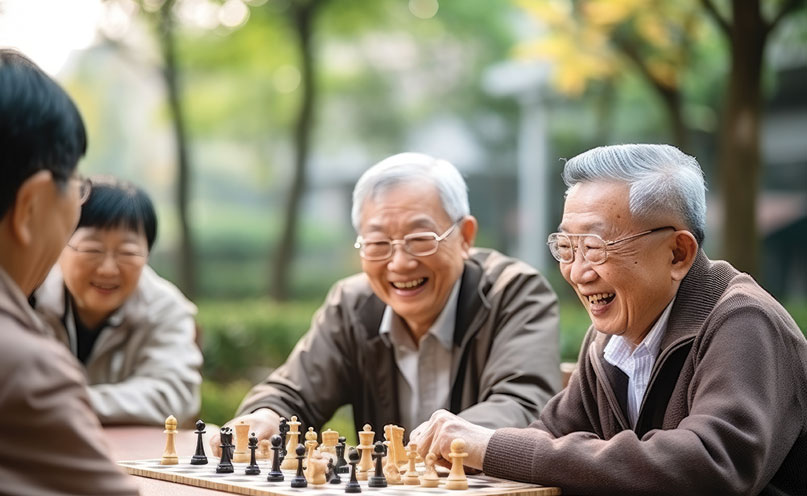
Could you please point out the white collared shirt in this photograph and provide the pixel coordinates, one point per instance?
(638, 364)
(424, 370)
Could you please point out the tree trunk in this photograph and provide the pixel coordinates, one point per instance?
(187, 258)
(739, 160)
(302, 15)
(671, 97)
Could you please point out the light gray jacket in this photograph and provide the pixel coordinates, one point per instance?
(145, 364)
(505, 356)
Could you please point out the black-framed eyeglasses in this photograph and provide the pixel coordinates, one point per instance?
(421, 244)
(592, 246)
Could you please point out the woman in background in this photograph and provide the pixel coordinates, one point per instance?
(133, 331)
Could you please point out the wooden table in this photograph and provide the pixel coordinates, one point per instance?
(140, 443)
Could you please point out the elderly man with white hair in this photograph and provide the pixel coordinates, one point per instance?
(691, 379)
(431, 323)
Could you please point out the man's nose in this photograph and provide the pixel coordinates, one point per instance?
(400, 259)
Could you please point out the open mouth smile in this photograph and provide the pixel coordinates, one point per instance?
(414, 283)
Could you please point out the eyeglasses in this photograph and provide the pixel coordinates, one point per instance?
(420, 244)
(594, 248)
(95, 256)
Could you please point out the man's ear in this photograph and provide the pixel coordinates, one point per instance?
(684, 251)
(468, 227)
(29, 205)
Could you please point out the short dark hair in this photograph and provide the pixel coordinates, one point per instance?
(116, 203)
(40, 127)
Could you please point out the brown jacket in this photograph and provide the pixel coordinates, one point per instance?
(51, 441)
(725, 411)
(145, 364)
(505, 357)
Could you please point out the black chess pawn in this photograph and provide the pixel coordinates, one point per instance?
(378, 480)
(283, 429)
(353, 485)
(225, 466)
(332, 476)
(341, 464)
(299, 479)
(252, 468)
(199, 457)
(275, 475)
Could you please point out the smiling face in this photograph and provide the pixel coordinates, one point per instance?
(101, 269)
(625, 294)
(416, 288)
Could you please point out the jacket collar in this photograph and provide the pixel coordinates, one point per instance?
(14, 304)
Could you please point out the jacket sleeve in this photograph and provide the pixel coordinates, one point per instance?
(311, 384)
(165, 378)
(744, 417)
(52, 442)
(522, 369)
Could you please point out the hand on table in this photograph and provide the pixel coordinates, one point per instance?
(436, 434)
(263, 422)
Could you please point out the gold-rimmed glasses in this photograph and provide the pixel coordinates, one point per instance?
(421, 244)
(593, 247)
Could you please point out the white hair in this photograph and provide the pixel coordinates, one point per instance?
(412, 167)
(661, 177)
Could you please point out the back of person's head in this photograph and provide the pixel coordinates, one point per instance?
(662, 179)
(412, 168)
(114, 203)
(40, 127)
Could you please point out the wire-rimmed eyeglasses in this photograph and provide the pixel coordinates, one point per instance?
(592, 246)
(421, 244)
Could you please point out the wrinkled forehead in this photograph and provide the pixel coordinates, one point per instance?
(115, 234)
(597, 207)
(407, 205)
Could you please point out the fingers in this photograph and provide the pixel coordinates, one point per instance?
(263, 422)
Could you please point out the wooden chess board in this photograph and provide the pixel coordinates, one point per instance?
(256, 485)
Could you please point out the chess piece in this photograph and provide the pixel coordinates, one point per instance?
(329, 440)
(310, 442)
(341, 466)
(378, 479)
(353, 485)
(283, 429)
(241, 438)
(264, 452)
(365, 446)
(391, 471)
(290, 462)
(252, 468)
(333, 475)
(316, 468)
(199, 458)
(430, 477)
(410, 478)
(397, 442)
(275, 475)
(170, 452)
(456, 477)
(225, 465)
(299, 479)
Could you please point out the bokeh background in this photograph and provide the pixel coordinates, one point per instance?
(248, 121)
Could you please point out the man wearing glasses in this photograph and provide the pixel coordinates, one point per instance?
(52, 441)
(691, 379)
(430, 323)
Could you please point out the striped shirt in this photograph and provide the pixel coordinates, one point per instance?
(638, 364)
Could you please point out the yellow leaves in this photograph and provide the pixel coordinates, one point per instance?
(579, 38)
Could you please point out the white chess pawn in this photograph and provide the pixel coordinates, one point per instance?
(170, 452)
(430, 477)
(456, 478)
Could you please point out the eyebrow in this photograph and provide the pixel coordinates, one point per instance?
(416, 225)
(587, 228)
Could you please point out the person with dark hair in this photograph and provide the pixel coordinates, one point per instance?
(133, 330)
(52, 441)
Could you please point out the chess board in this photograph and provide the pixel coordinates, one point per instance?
(256, 485)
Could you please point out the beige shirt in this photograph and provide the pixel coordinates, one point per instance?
(424, 369)
(51, 442)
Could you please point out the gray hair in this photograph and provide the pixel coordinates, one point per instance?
(661, 177)
(412, 167)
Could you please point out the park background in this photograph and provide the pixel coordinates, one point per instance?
(249, 121)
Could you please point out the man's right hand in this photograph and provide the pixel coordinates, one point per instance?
(263, 422)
